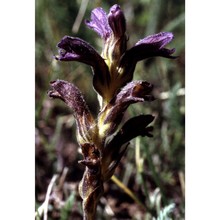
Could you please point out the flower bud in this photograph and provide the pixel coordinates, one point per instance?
(116, 45)
(116, 20)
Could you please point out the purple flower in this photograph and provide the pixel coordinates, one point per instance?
(150, 46)
(73, 98)
(133, 92)
(99, 23)
(76, 49)
(112, 29)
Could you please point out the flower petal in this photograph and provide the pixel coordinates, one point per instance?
(99, 23)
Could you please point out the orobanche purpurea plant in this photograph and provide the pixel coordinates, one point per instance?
(103, 140)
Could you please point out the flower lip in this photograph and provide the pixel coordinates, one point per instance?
(69, 49)
(72, 44)
(76, 49)
(66, 56)
(160, 39)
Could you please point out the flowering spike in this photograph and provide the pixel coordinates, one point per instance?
(102, 143)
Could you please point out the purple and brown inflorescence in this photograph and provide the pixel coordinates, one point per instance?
(102, 142)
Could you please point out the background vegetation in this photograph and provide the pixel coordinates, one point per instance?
(153, 168)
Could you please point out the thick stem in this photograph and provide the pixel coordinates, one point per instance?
(91, 185)
(91, 189)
